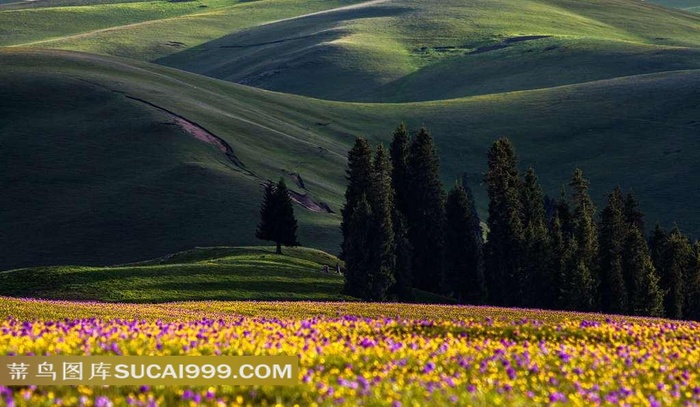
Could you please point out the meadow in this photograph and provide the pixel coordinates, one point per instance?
(369, 354)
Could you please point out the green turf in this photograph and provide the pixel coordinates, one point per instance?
(144, 30)
(379, 51)
(253, 273)
(398, 51)
(96, 178)
(211, 274)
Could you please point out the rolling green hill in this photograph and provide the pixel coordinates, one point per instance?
(217, 273)
(379, 50)
(399, 51)
(108, 160)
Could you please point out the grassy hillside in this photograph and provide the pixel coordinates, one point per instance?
(397, 51)
(103, 165)
(142, 30)
(211, 274)
(376, 51)
(252, 273)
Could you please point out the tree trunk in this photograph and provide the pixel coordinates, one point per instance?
(279, 248)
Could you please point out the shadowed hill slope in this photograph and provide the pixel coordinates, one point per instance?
(107, 160)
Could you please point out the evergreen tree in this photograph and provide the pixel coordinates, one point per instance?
(359, 177)
(285, 221)
(462, 248)
(359, 253)
(613, 279)
(633, 215)
(579, 284)
(557, 264)
(425, 213)
(646, 297)
(537, 285)
(265, 229)
(586, 237)
(504, 248)
(402, 247)
(277, 221)
(399, 151)
(383, 250)
(675, 259)
(693, 285)
(565, 215)
(656, 245)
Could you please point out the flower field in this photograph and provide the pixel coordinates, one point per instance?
(369, 354)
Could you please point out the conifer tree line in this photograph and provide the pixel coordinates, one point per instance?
(402, 231)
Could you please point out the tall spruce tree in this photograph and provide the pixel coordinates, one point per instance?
(266, 225)
(462, 249)
(359, 250)
(613, 232)
(633, 214)
(359, 176)
(537, 285)
(277, 221)
(657, 240)
(504, 247)
(693, 286)
(285, 221)
(381, 272)
(584, 273)
(399, 151)
(675, 260)
(557, 264)
(646, 297)
(425, 213)
(401, 289)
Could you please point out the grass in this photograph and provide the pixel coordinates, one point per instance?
(251, 273)
(387, 51)
(132, 186)
(200, 274)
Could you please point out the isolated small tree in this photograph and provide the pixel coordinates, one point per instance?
(277, 221)
(265, 229)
